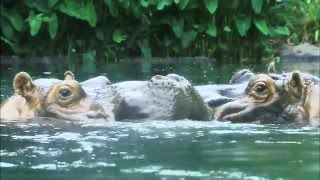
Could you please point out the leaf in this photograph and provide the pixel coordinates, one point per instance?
(316, 35)
(261, 25)
(144, 3)
(177, 26)
(135, 8)
(187, 38)
(212, 30)
(145, 48)
(84, 11)
(211, 5)
(34, 23)
(183, 3)
(282, 30)
(6, 29)
(176, 1)
(163, 3)
(113, 7)
(125, 4)
(257, 5)
(51, 3)
(243, 24)
(53, 26)
(16, 21)
(119, 36)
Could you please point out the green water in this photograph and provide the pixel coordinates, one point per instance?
(53, 149)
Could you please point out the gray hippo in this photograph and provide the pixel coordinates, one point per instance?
(273, 98)
(170, 97)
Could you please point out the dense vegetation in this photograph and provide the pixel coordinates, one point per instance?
(109, 30)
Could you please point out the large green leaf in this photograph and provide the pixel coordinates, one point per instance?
(145, 48)
(14, 18)
(211, 5)
(119, 36)
(83, 11)
(34, 23)
(261, 25)
(53, 26)
(113, 7)
(282, 30)
(177, 26)
(187, 38)
(212, 30)
(257, 5)
(243, 24)
(6, 29)
(16, 21)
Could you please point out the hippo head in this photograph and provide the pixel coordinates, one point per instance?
(273, 100)
(65, 99)
(71, 100)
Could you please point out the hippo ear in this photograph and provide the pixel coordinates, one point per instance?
(23, 84)
(68, 75)
(296, 85)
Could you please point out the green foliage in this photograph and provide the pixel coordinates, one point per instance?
(108, 30)
(257, 5)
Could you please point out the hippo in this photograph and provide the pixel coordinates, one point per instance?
(170, 97)
(32, 98)
(273, 98)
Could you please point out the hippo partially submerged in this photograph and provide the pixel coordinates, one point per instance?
(272, 98)
(263, 98)
(168, 97)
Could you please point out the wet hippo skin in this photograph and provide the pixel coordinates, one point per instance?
(286, 98)
(168, 97)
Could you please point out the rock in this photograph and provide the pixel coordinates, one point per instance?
(303, 57)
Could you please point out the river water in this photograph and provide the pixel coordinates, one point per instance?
(185, 149)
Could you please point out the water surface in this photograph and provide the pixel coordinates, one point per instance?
(159, 150)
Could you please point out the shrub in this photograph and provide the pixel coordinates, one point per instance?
(109, 30)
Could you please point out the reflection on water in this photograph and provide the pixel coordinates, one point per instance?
(159, 149)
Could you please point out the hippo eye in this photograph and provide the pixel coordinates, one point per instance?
(64, 93)
(260, 88)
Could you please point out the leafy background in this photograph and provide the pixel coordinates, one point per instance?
(109, 30)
